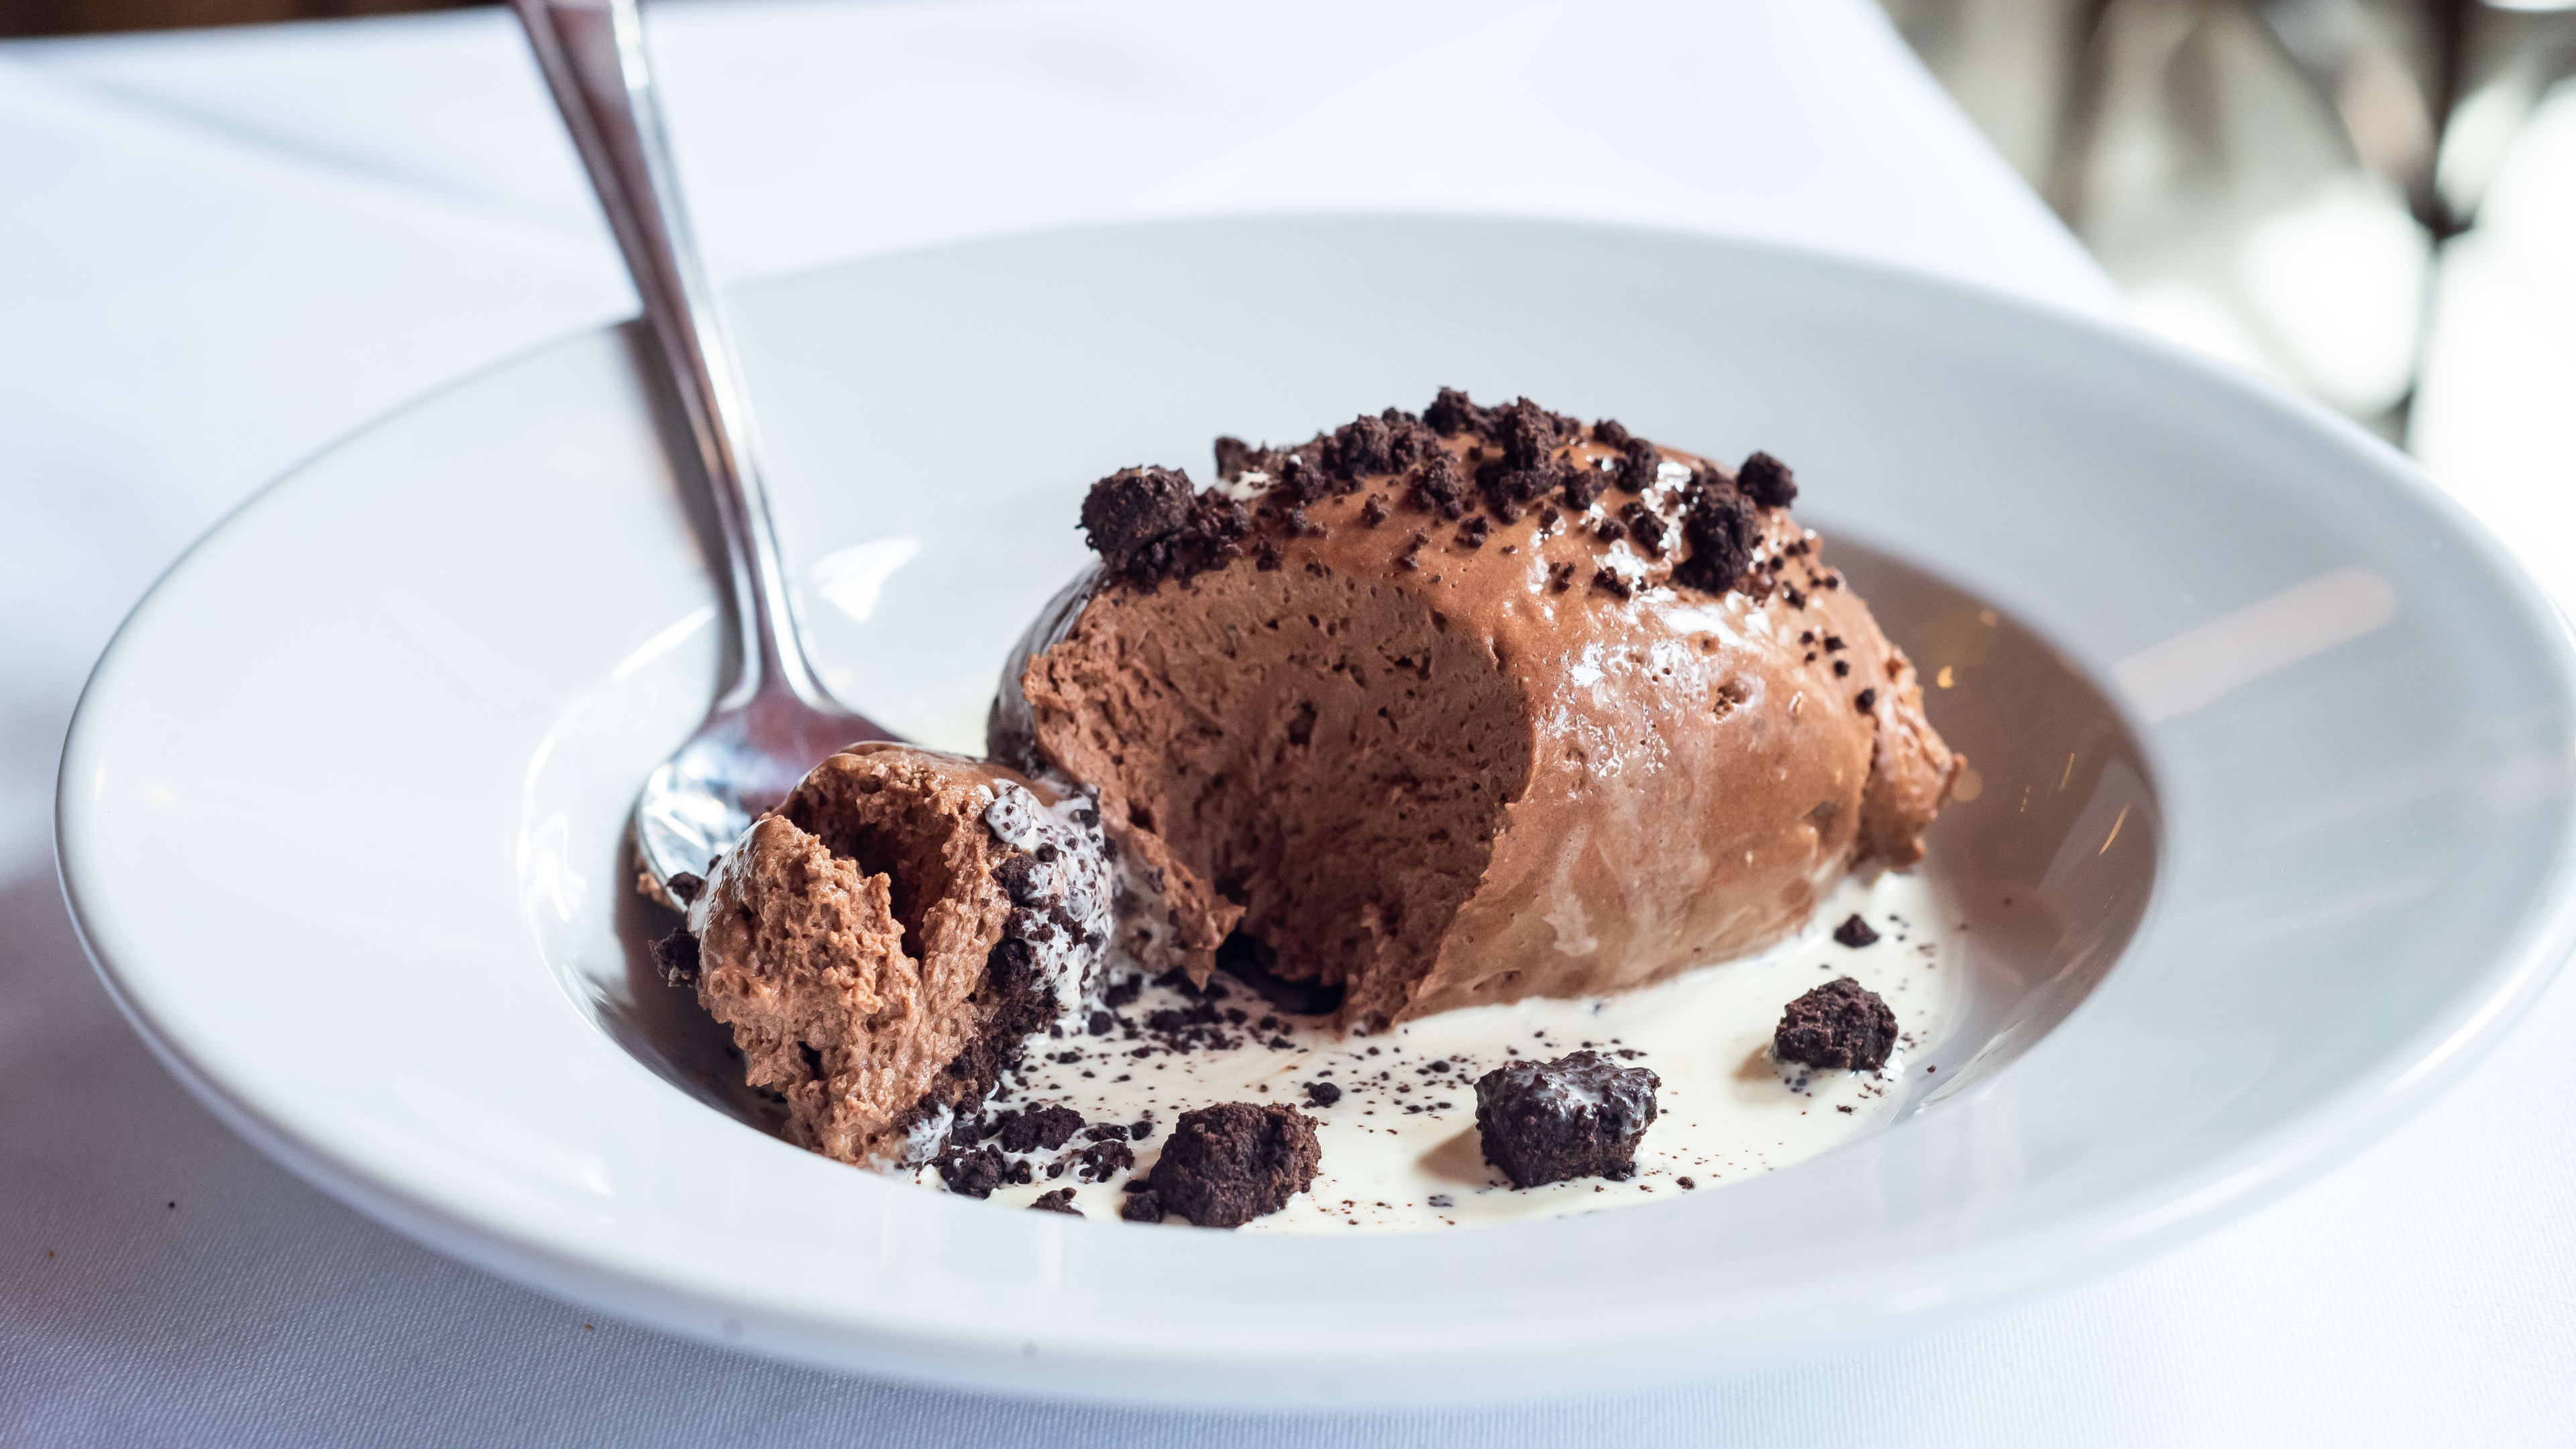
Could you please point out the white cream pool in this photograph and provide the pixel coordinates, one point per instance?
(1400, 1148)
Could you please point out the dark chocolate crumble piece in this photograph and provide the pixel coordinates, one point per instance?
(1645, 526)
(1865, 701)
(1720, 531)
(1058, 1201)
(1142, 1205)
(1840, 1024)
(1039, 1128)
(1323, 1094)
(1582, 486)
(1855, 933)
(1225, 1165)
(1577, 1116)
(1440, 487)
(1147, 526)
(1131, 510)
(1767, 481)
(1639, 462)
(684, 887)
(973, 1173)
(1235, 457)
(1105, 1159)
(676, 957)
(1452, 413)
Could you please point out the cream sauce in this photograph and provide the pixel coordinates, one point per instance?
(1400, 1148)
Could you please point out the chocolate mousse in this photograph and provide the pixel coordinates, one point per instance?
(1468, 707)
(886, 943)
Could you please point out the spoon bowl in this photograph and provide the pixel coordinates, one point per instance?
(736, 768)
(774, 721)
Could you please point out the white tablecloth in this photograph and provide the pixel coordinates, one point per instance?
(218, 251)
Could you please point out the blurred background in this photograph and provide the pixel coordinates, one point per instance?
(2372, 200)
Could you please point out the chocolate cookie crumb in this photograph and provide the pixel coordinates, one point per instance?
(684, 887)
(1058, 1201)
(972, 1173)
(1039, 1128)
(1840, 1024)
(676, 957)
(1235, 457)
(1374, 511)
(1451, 413)
(1577, 1116)
(1582, 486)
(1226, 1165)
(1865, 701)
(1132, 509)
(1362, 446)
(1639, 463)
(1105, 1159)
(1645, 526)
(1613, 583)
(1147, 526)
(1767, 481)
(1440, 486)
(1720, 531)
(1560, 577)
(1856, 933)
(1143, 1205)
(1323, 1094)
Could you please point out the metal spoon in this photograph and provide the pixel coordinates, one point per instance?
(774, 720)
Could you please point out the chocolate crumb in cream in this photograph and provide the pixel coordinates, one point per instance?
(1228, 1164)
(1841, 1024)
(1577, 1116)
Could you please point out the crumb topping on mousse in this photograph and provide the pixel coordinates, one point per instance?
(1474, 704)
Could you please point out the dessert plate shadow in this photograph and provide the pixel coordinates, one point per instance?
(2270, 828)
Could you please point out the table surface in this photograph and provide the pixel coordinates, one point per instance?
(224, 249)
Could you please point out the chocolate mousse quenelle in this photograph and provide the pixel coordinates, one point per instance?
(1424, 716)
(1478, 706)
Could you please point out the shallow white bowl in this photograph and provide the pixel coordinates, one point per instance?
(340, 810)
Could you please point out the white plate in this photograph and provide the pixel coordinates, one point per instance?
(340, 810)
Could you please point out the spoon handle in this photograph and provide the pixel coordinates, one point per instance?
(592, 53)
